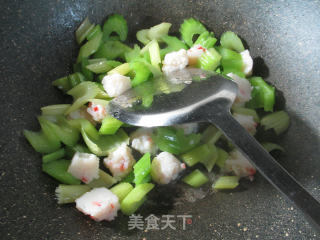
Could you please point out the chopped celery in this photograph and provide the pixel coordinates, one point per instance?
(81, 94)
(204, 153)
(101, 92)
(158, 31)
(154, 52)
(99, 65)
(195, 179)
(135, 198)
(141, 71)
(83, 30)
(189, 28)
(226, 182)
(142, 36)
(90, 47)
(104, 180)
(211, 135)
(112, 50)
(54, 110)
(133, 55)
(94, 32)
(105, 143)
(262, 95)
(278, 121)
(69, 193)
(146, 92)
(173, 44)
(83, 69)
(70, 151)
(62, 84)
(156, 72)
(142, 169)
(59, 170)
(89, 128)
(222, 157)
(121, 190)
(246, 111)
(206, 40)
(209, 60)
(40, 142)
(129, 178)
(272, 146)
(75, 79)
(231, 61)
(122, 69)
(115, 23)
(54, 156)
(175, 141)
(209, 157)
(110, 126)
(231, 41)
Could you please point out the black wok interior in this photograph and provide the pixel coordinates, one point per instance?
(38, 46)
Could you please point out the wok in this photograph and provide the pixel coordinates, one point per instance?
(38, 46)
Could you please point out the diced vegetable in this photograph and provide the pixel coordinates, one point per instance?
(69, 193)
(154, 52)
(211, 135)
(99, 65)
(206, 40)
(58, 109)
(54, 156)
(207, 154)
(104, 180)
(142, 169)
(141, 71)
(189, 28)
(222, 157)
(226, 182)
(94, 32)
(122, 69)
(173, 44)
(110, 126)
(272, 146)
(195, 179)
(133, 55)
(122, 190)
(209, 60)
(88, 127)
(158, 31)
(90, 47)
(231, 41)
(70, 151)
(231, 61)
(246, 111)
(83, 30)
(278, 121)
(142, 36)
(117, 24)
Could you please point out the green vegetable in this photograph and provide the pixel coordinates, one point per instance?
(173, 44)
(246, 111)
(94, 32)
(54, 110)
(83, 69)
(262, 95)
(210, 157)
(135, 198)
(175, 141)
(104, 180)
(59, 170)
(129, 178)
(85, 124)
(195, 179)
(272, 146)
(189, 28)
(62, 84)
(70, 151)
(90, 47)
(110, 126)
(69, 193)
(83, 30)
(133, 55)
(158, 31)
(211, 135)
(206, 153)
(146, 92)
(122, 69)
(100, 65)
(117, 24)
(226, 182)
(142, 36)
(154, 52)
(231, 61)
(141, 71)
(222, 157)
(121, 190)
(231, 41)
(209, 60)
(142, 169)
(206, 40)
(54, 156)
(278, 121)
(112, 50)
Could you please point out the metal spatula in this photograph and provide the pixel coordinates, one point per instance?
(208, 99)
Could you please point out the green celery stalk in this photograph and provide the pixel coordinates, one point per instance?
(142, 36)
(115, 23)
(211, 135)
(278, 121)
(59, 170)
(85, 124)
(70, 151)
(141, 71)
(209, 60)
(203, 153)
(122, 69)
(206, 40)
(40, 142)
(231, 61)
(129, 178)
(99, 65)
(54, 156)
(231, 41)
(154, 52)
(112, 50)
(189, 28)
(195, 179)
(110, 126)
(94, 32)
(90, 47)
(173, 44)
(246, 111)
(133, 55)
(69, 193)
(146, 92)
(226, 182)
(55, 110)
(83, 69)
(210, 157)
(158, 31)
(83, 30)
(135, 198)
(62, 84)
(272, 146)
(222, 157)
(76, 78)
(104, 180)
(121, 190)
(142, 169)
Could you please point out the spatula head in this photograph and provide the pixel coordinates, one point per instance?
(186, 99)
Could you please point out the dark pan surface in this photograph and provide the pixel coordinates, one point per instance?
(37, 46)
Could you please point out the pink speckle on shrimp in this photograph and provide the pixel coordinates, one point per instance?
(84, 179)
(97, 203)
(183, 166)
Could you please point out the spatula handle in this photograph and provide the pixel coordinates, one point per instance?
(269, 167)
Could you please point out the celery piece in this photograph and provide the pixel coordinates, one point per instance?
(154, 52)
(231, 41)
(231, 61)
(105, 143)
(129, 178)
(204, 153)
(272, 146)
(83, 30)
(156, 72)
(62, 84)
(94, 32)
(278, 121)
(141, 71)
(206, 40)
(246, 111)
(146, 92)
(90, 47)
(209, 60)
(104, 180)
(89, 128)
(102, 94)
(99, 65)
(195, 179)
(189, 28)
(69, 193)
(142, 36)
(133, 55)
(222, 157)
(75, 79)
(81, 93)
(122, 69)
(59, 170)
(135, 198)
(262, 95)
(70, 151)
(158, 31)
(142, 169)
(57, 109)
(40, 142)
(112, 49)
(121, 190)
(175, 141)
(209, 157)
(110, 126)
(211, 135)
(54, 156)
(117, 24)
(173, 44)
(226, 182)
